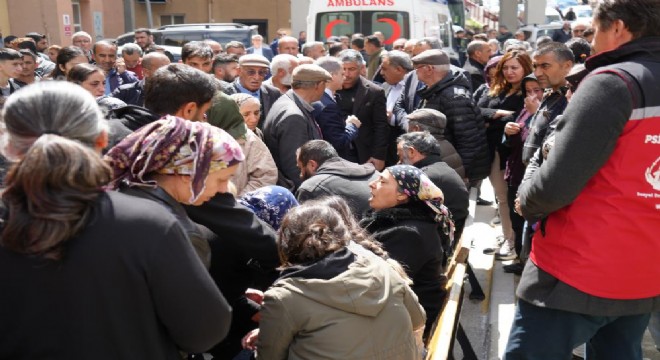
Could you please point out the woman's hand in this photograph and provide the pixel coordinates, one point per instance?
(532, 103)
(502, 113)
(249, 341)
(516, 205)
(511, 128)
(255, 295)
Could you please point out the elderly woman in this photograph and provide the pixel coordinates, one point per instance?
(82, 269)
(258, 169)
(174, 161)
(329, 301)
(250, 108)
(408, 219)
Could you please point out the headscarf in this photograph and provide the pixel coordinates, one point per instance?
(491, 63)
(173, 145)
(269, 203)
(225, 114)
(416, 185)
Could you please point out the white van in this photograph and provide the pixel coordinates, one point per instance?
(394, 18)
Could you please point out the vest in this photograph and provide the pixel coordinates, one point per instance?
(606, 243)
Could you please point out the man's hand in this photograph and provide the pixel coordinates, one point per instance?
(249, 341)
(511, 128)
(352, 119)
(120, 65)
(378, 164)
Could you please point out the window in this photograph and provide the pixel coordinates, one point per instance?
(172, 19)
(393, 24)
(75, 5)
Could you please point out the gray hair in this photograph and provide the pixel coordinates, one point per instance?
(281, 61)
(399, 58)
(81, 34)
(350, 55)
(432, 41)
(57, 107)
(545, 39)
(257, 37)
(131, 48)
(307, 47)
(494, 41)
(425, 143)
(330, 64)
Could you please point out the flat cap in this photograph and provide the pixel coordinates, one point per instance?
(253, 60)
(428, 117)
(310, 72)
(431, 57)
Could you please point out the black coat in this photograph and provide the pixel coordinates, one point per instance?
(131, 94)
(411, 237)
(465, 129)
(476, 71)
(244, 255)
(369, 106)
(495, 127)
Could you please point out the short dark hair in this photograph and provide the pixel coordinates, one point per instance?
(81, 72)
(373, 40)
(358, 42)
(196, 49)
(580, 48)
(142, 30)
(65, 55)
(10, 54)
(561, 51)
(318, 150)
(104, 43)
(641, 17)
(234, 44)
(224, 59)
(27, 52)
(174, 85)
(335, 49)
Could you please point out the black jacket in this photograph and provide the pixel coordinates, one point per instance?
(465, 129)
(129, 287)
(495, 127)
(243, 255)
(411, 237)
(337, 176)
(369, 106)
(476, 71)
(131, 94)
(134, 117)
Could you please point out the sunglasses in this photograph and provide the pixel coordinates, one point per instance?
(252, 72)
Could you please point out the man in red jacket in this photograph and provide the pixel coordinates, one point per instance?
(594, 271)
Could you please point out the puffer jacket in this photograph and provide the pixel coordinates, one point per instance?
(343, 306)
(465, 128)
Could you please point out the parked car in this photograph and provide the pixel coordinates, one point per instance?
(533, 32)
(179, 35)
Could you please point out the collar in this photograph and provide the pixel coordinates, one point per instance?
(428, 160)
(243, 90)
(302, 101)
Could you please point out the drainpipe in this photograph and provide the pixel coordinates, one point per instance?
(150, 20)
(211, 11)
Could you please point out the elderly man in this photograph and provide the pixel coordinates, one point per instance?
(324, 173)
(258, 48)
(252, 71)
(105, 55)
(235, 48)
(215, 46)
(132, 56)
(287, 45)
(365, 100)
(478, 53)
(281, 69)
(448, 91)
(564, 34)
(593, 270)
(290, 123)
(133, 94)
(394, 67)
(83, 40)
(314, 49)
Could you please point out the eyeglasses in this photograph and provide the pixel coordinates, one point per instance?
(420, 67)
(252, 72)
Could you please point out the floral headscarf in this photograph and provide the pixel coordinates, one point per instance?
(173, 145)
(269, 203)
(415, 184)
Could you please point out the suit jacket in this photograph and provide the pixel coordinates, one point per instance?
(335, 131)
(265, 50)
(269, 95)
(369, 106)
(287, 127)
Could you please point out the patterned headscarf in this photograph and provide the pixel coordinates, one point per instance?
(269, 203)
(415, 184)
(173, 145)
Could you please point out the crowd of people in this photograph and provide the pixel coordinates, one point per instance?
(300, 200)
